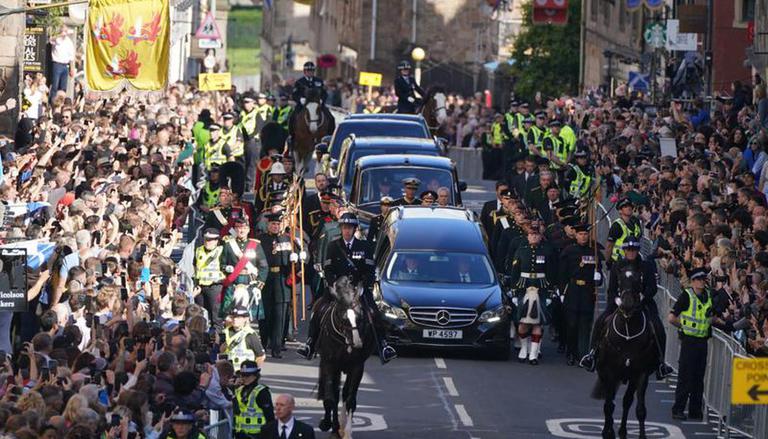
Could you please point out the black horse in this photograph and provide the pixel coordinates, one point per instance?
(627, 354)
(346, 341)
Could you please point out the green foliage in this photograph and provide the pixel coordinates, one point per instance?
(51, 20)
(547, 56)
(243, 40)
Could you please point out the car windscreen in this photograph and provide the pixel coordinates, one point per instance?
(435, 266)
(374, 129)
(387, 181)
(358, 153)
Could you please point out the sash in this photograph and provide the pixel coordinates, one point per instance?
(241, 263)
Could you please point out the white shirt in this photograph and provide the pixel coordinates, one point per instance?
(288, 427)
(63, 50)
(349, 243)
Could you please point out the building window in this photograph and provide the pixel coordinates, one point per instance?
(743, 12)
(593, 8)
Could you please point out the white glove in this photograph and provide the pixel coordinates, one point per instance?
(549, 302)
(514, 300)
(411, 99)
(256, 294)
(618, 301)
(303, 255)
(294, 257)
(229, 269)
(303, 101)
(598, 276)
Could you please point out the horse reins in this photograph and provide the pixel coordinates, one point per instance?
(627, 336)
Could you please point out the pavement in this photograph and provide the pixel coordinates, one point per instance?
(440, 394)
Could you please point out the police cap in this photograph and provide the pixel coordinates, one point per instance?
(412, 183)
(583, 227)
(183, 415)
(624, 202)
(631, 243)
(214, 127)
(309, 65)
(349, 218)
(228, 115)
(239, 311)
(249, 367)
(262, 95)
(386, 200)
(273, 217)
(430, 193)
(698, 274)
(248, 98)
(555, 123)
(541, 114)
(211, 233)
(580, 154)
(523, 105)
(507, 193)
(404, 64)
(528, 119)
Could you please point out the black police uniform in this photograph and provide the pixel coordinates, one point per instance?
(276, 295)
(300, 88)
(373, 229)
(416, 201)
(578, 265)
(404, 88)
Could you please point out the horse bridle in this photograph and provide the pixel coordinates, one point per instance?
(320, 118)
(340, 336)
(626, 336)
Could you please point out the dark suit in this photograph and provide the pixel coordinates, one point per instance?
(404, 88)
(523, 185)
(486, 216)
(357, 262)
(300, 431)
(301, 86)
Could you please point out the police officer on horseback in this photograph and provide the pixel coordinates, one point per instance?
(635, 274)
(348, 256)
(406, 89)
(305, 83)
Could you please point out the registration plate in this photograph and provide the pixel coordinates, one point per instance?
(450, 334)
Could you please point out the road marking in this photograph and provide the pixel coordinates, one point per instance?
(694, 422)
(664, 391)
(704, 433)
(668, 401)
(440, 363)
(463, 415)
(582, 428)
(450, 386)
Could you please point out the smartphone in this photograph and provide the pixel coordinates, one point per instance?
(45, 374)
(128, 343)
(224, 357)
(89, 320)
(140, 355)
(182, 325)
(53, 365)
(123, 294)
(115, 421)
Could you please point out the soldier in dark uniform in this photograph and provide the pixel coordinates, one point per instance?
(533, 271)
(249, 274)
(225, 214)
(508, 239)
(323, 215)
(492, 206)
(580, 270)
(378, 220)
(503, 223)
(348, 256)
(631, 273)
(276, 295)
(405, 86)
(275, 183)
(410, 186)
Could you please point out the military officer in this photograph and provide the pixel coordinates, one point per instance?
(223, 216)
(245, 264)
(276, 295)
(580, 270)
(626, 225)
(275, 183)
(252, 406)
(410, 186)
(508, 229)
(209, 275)
(406, 89)
(321, 216)
(378, 220)
(486, 213)
(533, 271)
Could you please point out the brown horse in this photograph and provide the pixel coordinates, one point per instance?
(434, 110)
(312, 123)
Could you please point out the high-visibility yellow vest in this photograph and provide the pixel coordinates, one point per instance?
(237, 348)
(375, 110)
(694, 320)
(214, 153)
(250, 418)
(580, 184)
(210, 197)
(265, 111)
(558, 149)
(207, 266)
(236, 148)
(284, 116)
(248, 122)
(569, 137)
(497, 135)
(538, 138)
(512, 122)
(618, 252)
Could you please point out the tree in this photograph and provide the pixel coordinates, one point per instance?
(547, 56)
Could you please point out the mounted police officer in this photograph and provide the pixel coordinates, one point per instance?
(209, 275)
(533, 272)
(348, 256)
(406, 89)
(253, 403)
(625, 226)
(307, 82)
(245, 265)
(580, 271)
(276, 295)
(632, 273)
(409, 198)
(183, 426)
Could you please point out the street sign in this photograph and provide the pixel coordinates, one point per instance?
(13, 280)
(35, 39)
(215, 81)
(208, 29)
(370, 79)
(209, 44)
(550, 12)
(639, 81)
(749, 381)
(655, 34)
(677, 40)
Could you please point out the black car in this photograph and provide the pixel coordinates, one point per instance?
(436, 285)
(375, 127)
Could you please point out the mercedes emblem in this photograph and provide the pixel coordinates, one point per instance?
(443, 317)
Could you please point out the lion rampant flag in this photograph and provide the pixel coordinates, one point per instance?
(127, 45)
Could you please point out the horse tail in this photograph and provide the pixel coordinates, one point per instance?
(598, 392)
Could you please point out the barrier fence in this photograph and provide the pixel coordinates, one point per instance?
(746, 420)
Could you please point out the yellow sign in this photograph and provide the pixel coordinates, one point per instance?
(370, 79)
(215, 81)
(749, 382)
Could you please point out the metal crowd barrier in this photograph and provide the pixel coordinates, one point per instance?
(218, 430)
(746, 420)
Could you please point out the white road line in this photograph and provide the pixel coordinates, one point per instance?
(694, 423)
(664, 391)
(463, 415)
(704, 433)
(440, 363)
(450, 386)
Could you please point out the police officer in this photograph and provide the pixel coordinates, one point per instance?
(245, 264)
(306, 82)
(534, 270)
(625, 226)
(693, 315)
(209, 275)
(371, 107)
(265, 108)
(378, 220)
(536, 134)
(406, 89)
(579, 271)
(283, 111)
(241, 341)
(183, 426)
(209, 195)
(558, 151)
(348, 256)
(276, 296)
(234, 138)
(216, 150)
(250, 126)
(253, 403)
(636, 274)
(578, 177)
(410, 186)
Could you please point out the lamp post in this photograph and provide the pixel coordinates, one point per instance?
(418, 54)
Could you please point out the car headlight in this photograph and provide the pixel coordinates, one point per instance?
(392, 312)
(493, 315)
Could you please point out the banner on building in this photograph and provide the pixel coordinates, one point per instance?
(650, 4)
(128, 45)
(35, 40)
(550, 12)
(13, 280)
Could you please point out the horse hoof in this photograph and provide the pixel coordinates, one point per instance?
(325, 425)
